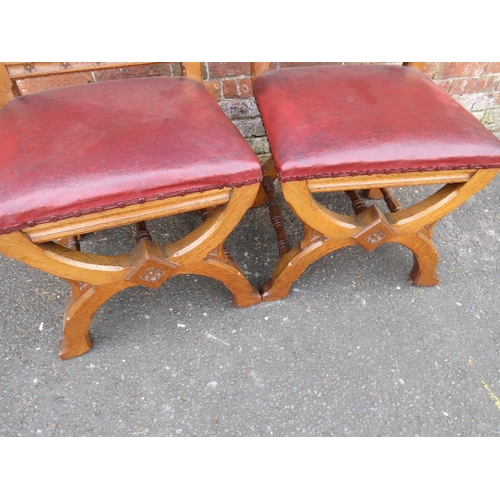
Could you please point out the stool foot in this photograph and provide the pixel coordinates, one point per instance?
(83, 303)
(294, 263)
(425, 259)
(76, 348)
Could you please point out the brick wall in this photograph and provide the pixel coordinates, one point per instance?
(475, 85)
(231, 85)
(38, 83)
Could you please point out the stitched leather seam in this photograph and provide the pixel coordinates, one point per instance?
(120, 204)
(355, 173)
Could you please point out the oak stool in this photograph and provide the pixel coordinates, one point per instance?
(84, 158)
(369, 128)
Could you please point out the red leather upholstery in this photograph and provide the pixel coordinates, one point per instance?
(87, 148)
(362, 119)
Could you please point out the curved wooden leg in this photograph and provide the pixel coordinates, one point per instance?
(411, 227)
(294, 263)
(429, 230)
(222, 268)
(96, 278)
(425, 259)
(93, 279)
(83, 303)
(202, 250)
(324, 232)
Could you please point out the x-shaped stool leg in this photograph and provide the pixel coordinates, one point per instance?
(326, 231)
(94, 279)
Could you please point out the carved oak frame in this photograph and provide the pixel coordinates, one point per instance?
(96, 278)
(52, 247)
(326, 231)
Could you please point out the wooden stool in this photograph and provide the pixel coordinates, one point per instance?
(83, 158)
(366, 127)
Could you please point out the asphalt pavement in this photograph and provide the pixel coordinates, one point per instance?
(355, 350)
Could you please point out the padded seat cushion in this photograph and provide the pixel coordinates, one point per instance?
(362, 119)
(87, 148)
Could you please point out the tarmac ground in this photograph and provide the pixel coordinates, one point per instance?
(355, 350)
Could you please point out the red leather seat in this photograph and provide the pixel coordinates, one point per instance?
(363, 119)
(83, 149)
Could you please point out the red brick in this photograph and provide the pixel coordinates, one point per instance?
(224, 69)
(459, 69)
(36, 84)
(492, 67)
(300, 64)
(157, 69)
(473, 85)
(214, 88)
(430, 69)
(39, 83)
(445, 84)
(242, 87)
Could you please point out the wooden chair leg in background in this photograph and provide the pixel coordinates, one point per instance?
(268, 173)
(373, 194)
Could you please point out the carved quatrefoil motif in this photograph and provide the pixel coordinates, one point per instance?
(374, 237)
(150, 269)
(376, 230)
(152, 274)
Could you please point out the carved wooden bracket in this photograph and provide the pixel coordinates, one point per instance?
(311, 237)
(376, 229)
(151, 269)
